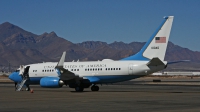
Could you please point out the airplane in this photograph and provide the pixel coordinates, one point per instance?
(85, 74)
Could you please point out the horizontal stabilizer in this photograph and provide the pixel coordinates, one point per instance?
(173, 62)
(155, 62)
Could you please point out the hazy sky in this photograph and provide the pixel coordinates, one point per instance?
(106, 20)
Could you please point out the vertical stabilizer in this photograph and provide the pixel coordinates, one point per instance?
(157, 44)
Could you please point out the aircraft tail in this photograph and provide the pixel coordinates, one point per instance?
(157, 44)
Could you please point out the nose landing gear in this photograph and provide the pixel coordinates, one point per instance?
(27, 88)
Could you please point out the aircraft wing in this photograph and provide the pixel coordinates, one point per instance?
(63, 73)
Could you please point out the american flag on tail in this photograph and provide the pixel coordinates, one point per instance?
(160, 40)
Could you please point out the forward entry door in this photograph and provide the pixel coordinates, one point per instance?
(26, 72)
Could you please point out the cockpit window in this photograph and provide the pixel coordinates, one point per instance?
(16, 70)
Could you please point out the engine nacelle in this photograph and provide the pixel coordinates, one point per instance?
(51, 82)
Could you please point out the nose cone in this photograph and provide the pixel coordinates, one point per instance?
(15, 77)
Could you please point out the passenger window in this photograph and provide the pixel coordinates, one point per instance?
(116, 68)
(108, 68)
(77, 69)
(119, 68)
(74, 69)
(113, 68)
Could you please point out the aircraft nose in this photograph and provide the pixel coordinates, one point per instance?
(15, 77)
(11, 76)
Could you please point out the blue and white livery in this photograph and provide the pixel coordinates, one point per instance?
(80, 75)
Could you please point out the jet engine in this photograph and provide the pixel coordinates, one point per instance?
(51, 82)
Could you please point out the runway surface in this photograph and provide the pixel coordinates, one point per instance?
(127, 97)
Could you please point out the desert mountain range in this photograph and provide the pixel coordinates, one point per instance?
(18, 46)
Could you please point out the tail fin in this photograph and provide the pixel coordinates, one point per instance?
(157, 44)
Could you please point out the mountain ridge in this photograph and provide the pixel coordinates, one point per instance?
(18, 46)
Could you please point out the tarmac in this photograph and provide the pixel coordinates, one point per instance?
(137, 96)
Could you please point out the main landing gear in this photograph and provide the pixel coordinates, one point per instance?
(79, 89)
(95, 88)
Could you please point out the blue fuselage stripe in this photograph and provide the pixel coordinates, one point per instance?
(111, 79)
(92, 79)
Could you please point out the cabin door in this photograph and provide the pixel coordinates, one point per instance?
(130, 69)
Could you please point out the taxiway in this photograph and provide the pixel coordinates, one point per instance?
(124, 97)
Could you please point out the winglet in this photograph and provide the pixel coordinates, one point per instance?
(61, 71)
(61, 62)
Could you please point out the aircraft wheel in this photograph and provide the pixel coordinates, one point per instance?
(95, 88)
(79, 89)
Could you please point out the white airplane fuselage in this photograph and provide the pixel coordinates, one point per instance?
(106, 71)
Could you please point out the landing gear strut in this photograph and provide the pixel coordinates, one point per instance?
(79, 88)
(95, 88)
